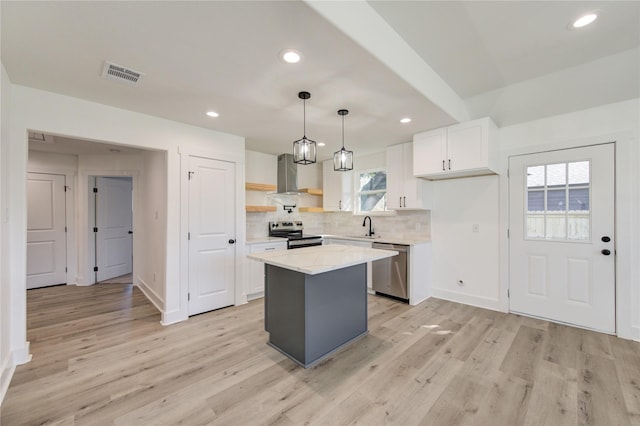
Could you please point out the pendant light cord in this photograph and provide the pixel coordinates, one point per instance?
(343, 132)
(304, 118)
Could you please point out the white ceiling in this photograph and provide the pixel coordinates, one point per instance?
(504, 59)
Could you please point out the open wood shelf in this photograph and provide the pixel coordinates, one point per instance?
(260, 208)
(311, 191)
(311, 210)
(259, 186)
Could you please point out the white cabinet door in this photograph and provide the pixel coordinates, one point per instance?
(255, 272)
(466, 146)
(429, 152)
(404, 191)
(395, 176)
(337, 189)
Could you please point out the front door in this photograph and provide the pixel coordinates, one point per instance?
(114, 227)
(46, 239)
(562, 246)
(212, 213)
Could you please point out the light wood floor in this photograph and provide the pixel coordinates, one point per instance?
(100, 356)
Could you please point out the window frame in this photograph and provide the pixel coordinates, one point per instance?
(357, 193)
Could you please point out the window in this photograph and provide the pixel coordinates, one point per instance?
(371, 191)
(558, 198)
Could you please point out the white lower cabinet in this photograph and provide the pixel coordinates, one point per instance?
(254, 270)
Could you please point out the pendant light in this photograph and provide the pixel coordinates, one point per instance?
(304, 150)
(343, 159)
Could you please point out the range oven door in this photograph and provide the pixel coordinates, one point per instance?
(294, 243)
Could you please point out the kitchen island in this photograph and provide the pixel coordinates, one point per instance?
(316, 299)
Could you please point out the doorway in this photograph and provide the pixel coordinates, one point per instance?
(561, 236)
(112, 220)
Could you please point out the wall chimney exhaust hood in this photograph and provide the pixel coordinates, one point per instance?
(287, 175)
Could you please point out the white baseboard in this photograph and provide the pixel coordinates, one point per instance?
(150, 294)
(255, 296)
(467, 299)
(14, 358)
(636, 333)
(22, 355)
(8, 368)
(173, 317)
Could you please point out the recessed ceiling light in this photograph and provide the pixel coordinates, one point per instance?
(584, 20)
(212, 114)
(321, 144)
(405, 120)
(291, 56)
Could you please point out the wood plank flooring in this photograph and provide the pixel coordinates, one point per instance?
(101, 357)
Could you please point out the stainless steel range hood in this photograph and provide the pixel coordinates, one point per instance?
(287, 175)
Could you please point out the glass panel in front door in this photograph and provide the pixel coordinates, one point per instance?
(558, 199)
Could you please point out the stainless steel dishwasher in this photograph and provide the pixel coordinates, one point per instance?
(389, 276)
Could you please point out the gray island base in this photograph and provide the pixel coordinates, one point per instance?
(309, 317)
(316, 298)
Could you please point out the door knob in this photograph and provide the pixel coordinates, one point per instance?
(232, 241)
(130, 232)
(605, 239)
(606, 252)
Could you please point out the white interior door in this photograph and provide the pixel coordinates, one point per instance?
(46, 221)
(114, 222)
(562, 246)
(212, 212)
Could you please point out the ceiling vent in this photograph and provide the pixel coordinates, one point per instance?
(111, 71)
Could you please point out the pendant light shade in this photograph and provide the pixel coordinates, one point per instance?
(304, 150)
(343, 159)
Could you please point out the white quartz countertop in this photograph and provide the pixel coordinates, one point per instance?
(319, 259)
(403, 239)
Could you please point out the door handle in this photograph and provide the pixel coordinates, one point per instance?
(605, 239)
(130, 232)
(232, 241)
(606, 252)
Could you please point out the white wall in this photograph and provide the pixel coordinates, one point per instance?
(33, 109)
(6, 321)
(458, 252)
(151, 227)
(488, 206)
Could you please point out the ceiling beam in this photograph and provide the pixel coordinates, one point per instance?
(366, 27)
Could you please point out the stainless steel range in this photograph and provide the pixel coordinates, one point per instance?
(292, 230)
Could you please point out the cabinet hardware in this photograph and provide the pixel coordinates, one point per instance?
(443, 169)
(404, 199)
(449, 163)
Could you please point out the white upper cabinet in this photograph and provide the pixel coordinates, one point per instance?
(337, 189)
(466, 149)
(404, 191)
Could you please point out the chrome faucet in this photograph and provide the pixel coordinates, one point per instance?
(364, 223)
